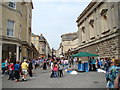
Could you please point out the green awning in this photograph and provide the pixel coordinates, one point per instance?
(84, 54)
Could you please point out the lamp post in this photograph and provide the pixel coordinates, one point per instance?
(69, 53)
(52, 52)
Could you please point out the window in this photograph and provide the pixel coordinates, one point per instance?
(91, 22)
(104, 13)
(12, 4)
(10, 28)
(43, 49)
(83, 29)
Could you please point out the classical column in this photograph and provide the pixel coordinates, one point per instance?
(17, 52)
(0, 55)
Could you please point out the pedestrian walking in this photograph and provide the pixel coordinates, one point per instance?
(30, 67)
(3, 68)
(44, 65)
(11, 71)
(60, 70)
(17, 71)
(33, 63)
(90, 64)
(93, 63)
(111, 75)
(6, 66)
(24, 67)
(55, 69)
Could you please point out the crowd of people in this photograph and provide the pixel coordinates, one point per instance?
(18, 70)
(15, 70)
(112, 68)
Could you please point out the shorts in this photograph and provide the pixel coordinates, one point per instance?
(25, 72)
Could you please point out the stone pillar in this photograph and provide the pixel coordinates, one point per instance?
(17, 52)
(119, 15)
(0, 55)
(20, 56)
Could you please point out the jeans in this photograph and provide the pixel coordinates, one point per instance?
(11, 74)
(61, 73)
(55, 74)
(3, 71)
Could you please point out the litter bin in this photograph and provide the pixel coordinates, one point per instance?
(86, 66)
(80, 66)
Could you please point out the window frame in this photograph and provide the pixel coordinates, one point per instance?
(12, 3)
(10, 28)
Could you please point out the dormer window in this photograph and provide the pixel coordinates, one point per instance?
(104, 13)
(91, 22)
(83, 29)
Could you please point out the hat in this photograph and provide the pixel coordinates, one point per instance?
(25, 60)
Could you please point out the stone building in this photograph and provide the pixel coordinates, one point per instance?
(45, 50)
(16, 30)
(99, 29)
(59, 51)
(35, 40)
(41, 45)
(68, 43)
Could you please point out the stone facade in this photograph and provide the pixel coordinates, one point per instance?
(98, 29)
(59, 51)
(69, 36)
(69, 42)
(35, 40)
(16, 30)
(41, 45)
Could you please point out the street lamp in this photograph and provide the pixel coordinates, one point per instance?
(69, 53)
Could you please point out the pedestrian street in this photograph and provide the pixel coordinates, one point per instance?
(41, 79)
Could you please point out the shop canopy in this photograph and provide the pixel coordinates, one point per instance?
(83, 54)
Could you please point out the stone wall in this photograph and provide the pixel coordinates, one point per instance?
(108, 48)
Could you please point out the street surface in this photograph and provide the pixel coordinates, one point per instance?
(41, 79)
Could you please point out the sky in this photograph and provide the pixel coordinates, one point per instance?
(52, 18)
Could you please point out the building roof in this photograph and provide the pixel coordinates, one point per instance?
(42, 38)
(69, 34)
(91, 4)
(33, 35)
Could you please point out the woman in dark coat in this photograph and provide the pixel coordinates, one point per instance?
(30, 67)
(44, 65)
